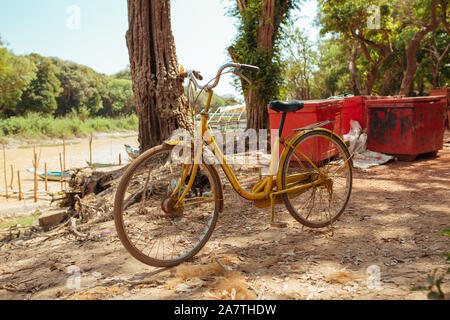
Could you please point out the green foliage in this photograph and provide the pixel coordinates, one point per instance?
(216, 101)
(119, 99)
(124, 74)
(380, 52)
(53, 87)
(42, 92)
(434, 286)
(26, 221)
(445, 232)
(230, 101)
(16, 73)
(299, 66)
(436, 280)
(82, 88)
(247, 50)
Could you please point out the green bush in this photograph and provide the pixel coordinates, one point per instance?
(35, 126)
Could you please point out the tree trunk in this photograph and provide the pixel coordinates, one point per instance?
(414, 44)
(257, 114)
(353, 69)
(265, 32)
(159, 96)
(388, 76)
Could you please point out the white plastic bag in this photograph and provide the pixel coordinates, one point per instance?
(356, 138)
(363, 158)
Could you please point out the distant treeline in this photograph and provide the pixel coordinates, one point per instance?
(52, 87)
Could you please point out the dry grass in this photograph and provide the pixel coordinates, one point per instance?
(98, 293)
(219, 282)
(343, 277)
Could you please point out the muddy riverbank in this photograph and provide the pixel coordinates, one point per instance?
(106, 148)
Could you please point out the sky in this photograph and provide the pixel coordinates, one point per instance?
(92, 32)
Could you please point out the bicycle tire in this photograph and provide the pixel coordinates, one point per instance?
(323, 157)
(121, 211)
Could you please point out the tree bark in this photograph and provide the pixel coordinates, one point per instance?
(445, 16)
(266, 28)
(159, 95)
(388, 76)
(353, 69)
(257, 114)
(411, 51)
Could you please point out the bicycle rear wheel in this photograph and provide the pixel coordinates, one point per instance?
(152, 233)
(322, 204)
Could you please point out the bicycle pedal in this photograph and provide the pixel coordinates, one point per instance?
(279, 225)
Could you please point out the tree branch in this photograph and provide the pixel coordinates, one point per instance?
(445, 52)
(241, 6)
(444, 16)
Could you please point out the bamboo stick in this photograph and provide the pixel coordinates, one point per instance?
(64, 159)
(4, 168)
(61, 165)
(35, 176)
(20, 185)
(12, 177)
(45, 177)
(90, 151)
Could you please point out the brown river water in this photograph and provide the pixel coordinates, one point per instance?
(103, 151)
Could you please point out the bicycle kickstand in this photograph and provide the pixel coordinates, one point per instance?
(272, 214)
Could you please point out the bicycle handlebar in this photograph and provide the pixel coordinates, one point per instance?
(194, 75)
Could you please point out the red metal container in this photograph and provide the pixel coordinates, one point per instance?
(314, 111)
(444, 92)
(354, 109)
(406, 127)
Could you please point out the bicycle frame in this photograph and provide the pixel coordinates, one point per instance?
(263, 190)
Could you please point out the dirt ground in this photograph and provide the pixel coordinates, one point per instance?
(386, 243)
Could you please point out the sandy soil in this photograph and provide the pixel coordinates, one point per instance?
(385, 243)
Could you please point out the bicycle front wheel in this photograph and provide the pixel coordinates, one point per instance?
(314, 153)
(152, 233)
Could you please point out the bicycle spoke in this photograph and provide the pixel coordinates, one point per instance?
(153, 230)
(324, 203)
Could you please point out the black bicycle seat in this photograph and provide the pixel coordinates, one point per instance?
(287, 106)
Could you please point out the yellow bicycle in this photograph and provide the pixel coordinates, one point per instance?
(168, 200)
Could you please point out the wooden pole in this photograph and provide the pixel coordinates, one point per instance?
(20, 185)
(64, 158)
(46, 179)
(35, 176)
(4, 168)
(61, 165)
(90, 151)
(120, 159)
(12, 177)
